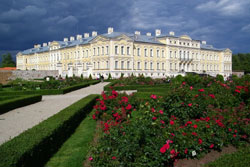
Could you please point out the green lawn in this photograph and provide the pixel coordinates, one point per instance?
(74, 151)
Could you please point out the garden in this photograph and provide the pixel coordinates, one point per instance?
(196, 115)
(166, 121)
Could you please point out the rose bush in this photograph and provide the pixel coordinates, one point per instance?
(188, 123)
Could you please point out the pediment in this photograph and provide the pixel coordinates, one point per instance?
(123, 37)
(99, 38)
(228, 50)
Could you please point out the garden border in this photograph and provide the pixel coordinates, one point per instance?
(11, 104)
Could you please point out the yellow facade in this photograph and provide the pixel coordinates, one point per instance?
(116, 53)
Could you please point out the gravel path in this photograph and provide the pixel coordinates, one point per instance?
(16, 121)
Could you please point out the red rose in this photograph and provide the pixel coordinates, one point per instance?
(153, 97)
(161, 112)
(93, 116)
(190, 104)
(113, 157)
(128, 107)
(154, 118)
(200, 141)
(171, 122)
(195, 126)
(212, 96)
(201, 90)
(211, 146)
(236, 90)
(186, 151)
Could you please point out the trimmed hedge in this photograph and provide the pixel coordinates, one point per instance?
(36, 145)
(10, 104)
(50, 91)
(135, 87)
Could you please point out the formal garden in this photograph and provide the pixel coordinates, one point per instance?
(19, 92)
(165, 121)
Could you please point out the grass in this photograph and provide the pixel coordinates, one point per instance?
(74, 151)
(241, 158)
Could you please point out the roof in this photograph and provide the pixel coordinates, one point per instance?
(8, 68)
(210, 47)
(134, 37)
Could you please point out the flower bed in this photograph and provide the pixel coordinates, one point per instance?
(187, 123)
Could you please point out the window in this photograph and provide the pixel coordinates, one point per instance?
(175, 54)
(98, 51)
(145, 66)
(94, 65)
(94, 51)
(122, 64)
(116, 50)
(102, 50)
(180, 54)
(122, 50)
(107, 49)
(107, 64)
(158, 66)
(128, 64)
(98, 65)
(151, 66)
(138, 51)
(87, 53)
(163, 66)
(170, 53)
(171, 66)
(162, 53)
(82, 53)
(116, 64)
(157, 53)
(138, 65)
(128, 51)
(175, 66)
(151, 52)
(145, 52)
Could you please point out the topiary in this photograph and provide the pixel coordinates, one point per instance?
(109, 77)
(90, 76)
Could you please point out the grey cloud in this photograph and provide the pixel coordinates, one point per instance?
(16, 15)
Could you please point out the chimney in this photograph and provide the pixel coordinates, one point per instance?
(78, 37)
(37, 46)
(72, 38)
(171, 33)
(137, 33)
(49, 43)
(204, 42)
(148, 34)
(86, 35)
(44, 44)
(157, 32)
(94, 33)
(110, 30)
(65, 39)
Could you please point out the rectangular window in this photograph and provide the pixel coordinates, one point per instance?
(107, 49)
(122, 65)
(151, 65)
(162, 53)
(116, 64)
(98, 51)
(163, 66)
(170, 53)
(138, 51)
(158, 66)
(122, 50)
(138, 65)
(128, 52)
(151, 52)
(157, 53)
(116, 50)
(145, 66)
(171, 66)
(98, 63)
(145, 52)
(107, 64)
(102, 50)
(94, 51)
(128, 65)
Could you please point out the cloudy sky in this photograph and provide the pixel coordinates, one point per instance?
(222, 23)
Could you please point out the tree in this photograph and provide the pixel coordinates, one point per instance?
(7, 61)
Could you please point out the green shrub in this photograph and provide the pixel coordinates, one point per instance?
(11, 104)
(35, 146)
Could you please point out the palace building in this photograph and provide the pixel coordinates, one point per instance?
(118, 53)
